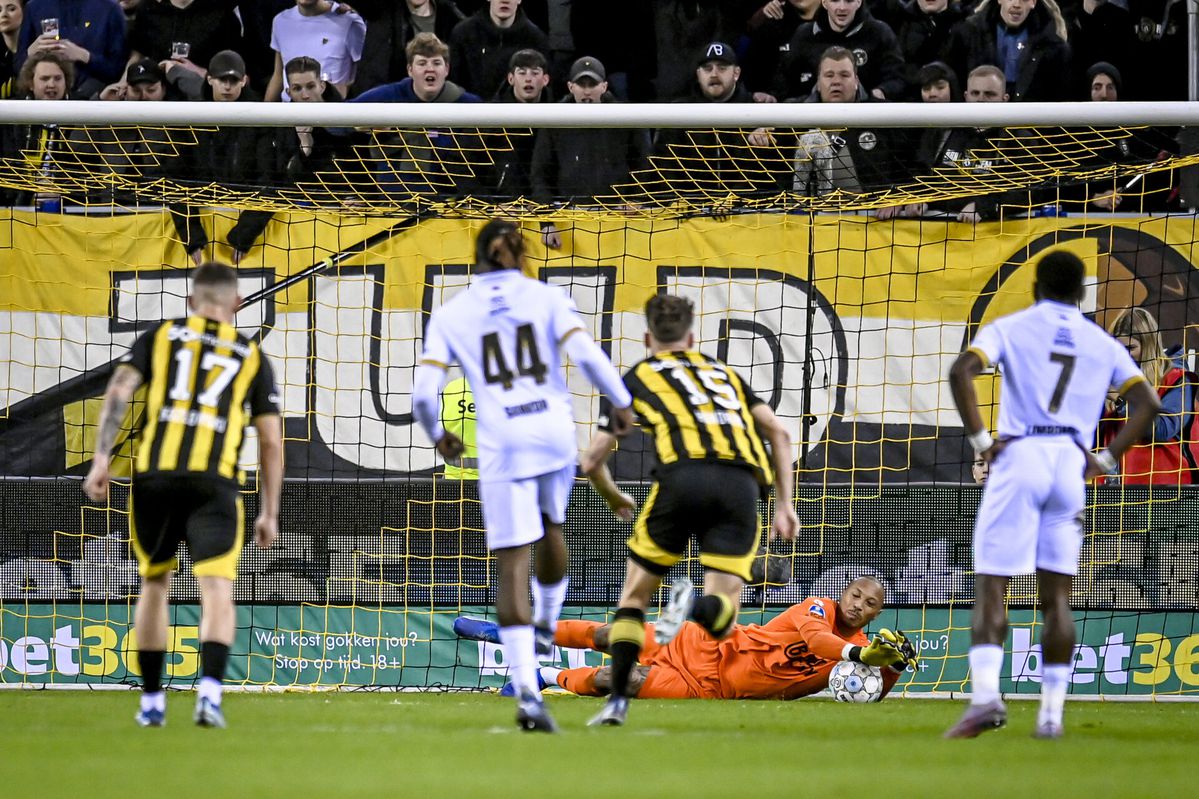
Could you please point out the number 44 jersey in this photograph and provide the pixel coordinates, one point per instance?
(506, 331)
(1057, 367)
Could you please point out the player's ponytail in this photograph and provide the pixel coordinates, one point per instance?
(500, 245)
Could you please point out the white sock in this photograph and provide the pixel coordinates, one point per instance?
(209, 689)
(1055, 681)
(550, 675)
(518, 654)
(986, 661)
(547, 602)
(154, 701)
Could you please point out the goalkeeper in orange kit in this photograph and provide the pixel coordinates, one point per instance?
(788, 657)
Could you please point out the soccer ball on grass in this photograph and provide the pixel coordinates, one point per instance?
(855, 682)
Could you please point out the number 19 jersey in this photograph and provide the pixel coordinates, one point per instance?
(1057, 367)
(506, 332)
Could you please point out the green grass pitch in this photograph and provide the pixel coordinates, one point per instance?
(85, 744)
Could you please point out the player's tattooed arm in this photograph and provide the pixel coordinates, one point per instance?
(125, 381)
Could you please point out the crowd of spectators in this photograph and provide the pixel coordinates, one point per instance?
(584, 51)
(1044, 47)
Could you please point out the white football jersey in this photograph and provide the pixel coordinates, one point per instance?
(1057, 367)
(505, 330)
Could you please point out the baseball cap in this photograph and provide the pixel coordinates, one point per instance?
(717, 51)
(227, 64)
(588, 67)
(144, 71)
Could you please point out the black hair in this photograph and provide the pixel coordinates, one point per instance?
(499, 245)
(669, 317)
(1060, 276)
(302, 63)
(939, 70)
(528, 59)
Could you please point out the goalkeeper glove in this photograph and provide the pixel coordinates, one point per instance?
(881, 652)
(907, 649)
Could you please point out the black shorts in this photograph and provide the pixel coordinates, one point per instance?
(204, 512)
(715, 502)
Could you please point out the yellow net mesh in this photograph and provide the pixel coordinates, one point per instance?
(844, 322)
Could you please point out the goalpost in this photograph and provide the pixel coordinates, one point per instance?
(844, 319)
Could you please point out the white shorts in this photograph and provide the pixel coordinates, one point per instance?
(1032, 509)
(512, 509)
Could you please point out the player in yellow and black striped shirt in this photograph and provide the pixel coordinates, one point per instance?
(711, 433)
(698, 409)
(204, 383)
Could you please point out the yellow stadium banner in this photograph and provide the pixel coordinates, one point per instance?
(847, 325)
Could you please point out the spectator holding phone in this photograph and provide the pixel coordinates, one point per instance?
(88, 33)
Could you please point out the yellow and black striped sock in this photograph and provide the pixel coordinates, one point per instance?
(715, 613)
(625, 643)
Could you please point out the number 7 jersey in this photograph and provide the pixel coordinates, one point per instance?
(1057, 367)
(506, 331)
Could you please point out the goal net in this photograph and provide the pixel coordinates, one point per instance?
(840, 262)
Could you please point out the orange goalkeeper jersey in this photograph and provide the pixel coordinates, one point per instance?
(788, 657)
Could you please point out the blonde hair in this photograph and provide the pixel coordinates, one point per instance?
(1139, 324)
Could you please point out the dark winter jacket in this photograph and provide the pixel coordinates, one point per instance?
(8, 72)
(1106, 34)
(880, 65)
(98, 26)
(135, 160)
(923, 38)
(583, 163)
(479, 50)
(682, 28)
(34, 150)
(389, 28)
(237, 158)
(209, 26)
(769, 43)
(601, 29)
(981, 154)
(295, 171)
(1044, 64)
(855, 160)
(512, 154)
(708, 165)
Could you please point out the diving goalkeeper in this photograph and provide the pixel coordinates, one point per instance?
(788, 657)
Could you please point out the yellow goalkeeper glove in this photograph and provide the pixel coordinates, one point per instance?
(906, 649)
(881, 652)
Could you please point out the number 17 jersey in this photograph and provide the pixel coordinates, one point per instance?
(506, 331)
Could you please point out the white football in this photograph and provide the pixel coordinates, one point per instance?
(855, 682)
